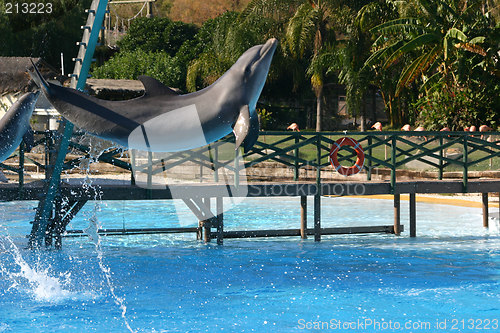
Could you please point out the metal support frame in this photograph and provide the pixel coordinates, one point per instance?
(79, 78)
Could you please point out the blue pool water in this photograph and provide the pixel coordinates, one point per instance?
(447, 279)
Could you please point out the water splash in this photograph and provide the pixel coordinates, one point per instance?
(92, 232)
(35, 280)
(94, 226)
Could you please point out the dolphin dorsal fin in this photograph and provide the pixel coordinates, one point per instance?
(154, 87)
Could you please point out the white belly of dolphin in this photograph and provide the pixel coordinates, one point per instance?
(172, 131)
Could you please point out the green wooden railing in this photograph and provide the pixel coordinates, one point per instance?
(458, 151)
(451, 151)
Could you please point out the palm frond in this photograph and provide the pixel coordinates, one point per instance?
(398, 26)
(417, 67)
(431, 83)
(377, 56)
(471, 48)
(277, 9)
(456, 34)
(301, 30)
(412, 45)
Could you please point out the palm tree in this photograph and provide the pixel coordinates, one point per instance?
(310, 30)
(309, 36)
(425, 43)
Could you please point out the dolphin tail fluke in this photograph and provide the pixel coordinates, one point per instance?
(38, 78)
(242, 126)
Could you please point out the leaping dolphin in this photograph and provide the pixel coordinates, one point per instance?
(15, 124)
(164, 121)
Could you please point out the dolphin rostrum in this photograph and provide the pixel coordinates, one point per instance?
(15, 125)
(164, 121)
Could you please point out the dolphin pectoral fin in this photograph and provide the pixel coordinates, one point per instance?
(29, 139)
(253, 133)
(242, 126)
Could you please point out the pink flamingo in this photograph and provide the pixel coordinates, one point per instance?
(293, 127)
(421, 129)
(484, 128)
(406, 128)
(377, 126)
(445, 129)
(473, 129)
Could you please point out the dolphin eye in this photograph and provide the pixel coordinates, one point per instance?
(247, 70)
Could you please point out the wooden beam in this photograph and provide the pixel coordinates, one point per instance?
(34, 190)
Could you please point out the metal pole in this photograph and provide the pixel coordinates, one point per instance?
(317, 217)
(465, 161)
(369, 171)
(296, 163)
(237, 169)
(393, 163)
(485, 210)
(219, 202)
(440, 176)
(149, 13)
(317, 196)
(397, 214)
(207, 225)
(303, 217)
(413, 215)
(21, 169)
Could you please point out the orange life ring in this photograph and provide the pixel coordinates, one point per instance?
(359, 152)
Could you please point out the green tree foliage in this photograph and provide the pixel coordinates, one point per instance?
(310, 34)
(129, 65)
(443, 48)
(44, 35)
(221, 42)
(154, 47)
(157, 34)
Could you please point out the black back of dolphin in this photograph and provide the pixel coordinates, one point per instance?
(162, 117)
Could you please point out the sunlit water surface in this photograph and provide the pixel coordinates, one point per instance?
(448, 277)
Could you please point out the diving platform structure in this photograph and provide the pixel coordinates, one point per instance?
(303, 156)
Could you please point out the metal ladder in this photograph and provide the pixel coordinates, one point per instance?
(46, 213)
